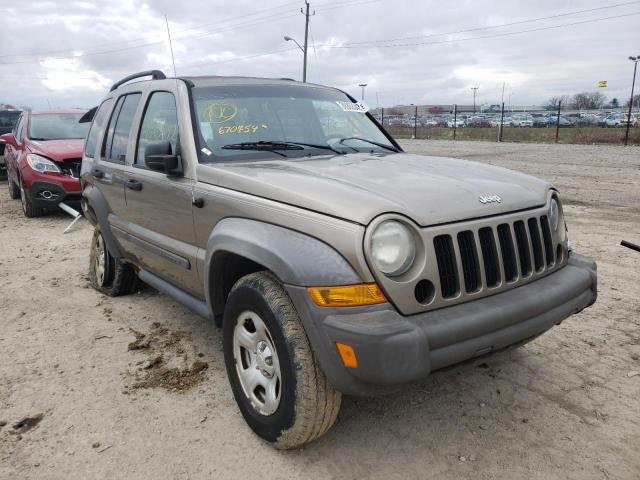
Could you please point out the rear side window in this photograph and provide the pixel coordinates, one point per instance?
(114, 148)
(160, 123)
(99, 122)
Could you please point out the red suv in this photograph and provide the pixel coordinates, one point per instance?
(43, 155)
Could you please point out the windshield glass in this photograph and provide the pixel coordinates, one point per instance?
(232, 119)
(8, 118)
(57, 126)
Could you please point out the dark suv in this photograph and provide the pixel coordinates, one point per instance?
(334, 262)
(8, 120)
(43, 155)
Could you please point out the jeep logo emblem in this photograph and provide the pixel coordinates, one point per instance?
(490, 199)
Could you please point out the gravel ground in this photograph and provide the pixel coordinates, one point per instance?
(135, 387)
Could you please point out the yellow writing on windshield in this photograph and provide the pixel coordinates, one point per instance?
(220, 112)
(241, 128)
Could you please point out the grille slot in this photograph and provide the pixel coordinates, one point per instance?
(536, 244)
(447, 268)
(489, 256)
(469, 259)
(523, 248)
(508, 252)
(548, 243)
(72, 166)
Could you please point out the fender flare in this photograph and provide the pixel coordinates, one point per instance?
(295, 258)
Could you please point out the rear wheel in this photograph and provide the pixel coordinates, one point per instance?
(14, 191)
(107, 275)
(278, 385)
(28, 208)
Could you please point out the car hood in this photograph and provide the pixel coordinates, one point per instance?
(57, 150)
(359, 187)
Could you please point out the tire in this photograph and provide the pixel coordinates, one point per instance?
(29, 210)
(306, 404)
(111, 277)
(14, 190)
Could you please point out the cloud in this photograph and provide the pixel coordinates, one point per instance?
(430, 62)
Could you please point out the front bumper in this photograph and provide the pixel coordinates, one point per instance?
(47, 190)
(393, 349)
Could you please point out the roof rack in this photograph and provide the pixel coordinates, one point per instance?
(155, 75)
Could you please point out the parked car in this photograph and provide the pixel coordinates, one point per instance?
(478, 122)
(227, 195)
(458, 123)
(564, 121)
(540, 120)
(43, 155)
(8, 119)
(522, 121)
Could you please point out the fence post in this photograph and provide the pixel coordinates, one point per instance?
(415, 124)
(501, 121)
(558, 120)
(382, 117)
(455, 118)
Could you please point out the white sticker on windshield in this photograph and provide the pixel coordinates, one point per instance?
(206, 151)
(360, 107)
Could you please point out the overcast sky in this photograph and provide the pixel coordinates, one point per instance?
(67, 53)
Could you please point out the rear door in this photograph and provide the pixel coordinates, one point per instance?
(109, 168)
(159, 206)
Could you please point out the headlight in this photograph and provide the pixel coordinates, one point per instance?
(554, 214)
(41, 164)
(393, 248)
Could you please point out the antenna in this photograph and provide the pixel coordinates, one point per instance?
(173, 60)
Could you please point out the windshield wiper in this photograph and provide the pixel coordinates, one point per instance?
(277, 145)
(381, 145)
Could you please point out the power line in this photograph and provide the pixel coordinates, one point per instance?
(396, 45)
(490, 27)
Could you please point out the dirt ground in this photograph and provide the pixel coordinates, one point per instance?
(135, 387)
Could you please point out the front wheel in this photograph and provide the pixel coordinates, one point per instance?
(14, 191)
(278, 385)
(29, 210)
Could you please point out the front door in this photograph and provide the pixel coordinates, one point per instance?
(159, 216)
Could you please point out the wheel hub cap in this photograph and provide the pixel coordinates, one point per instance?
(257, 363)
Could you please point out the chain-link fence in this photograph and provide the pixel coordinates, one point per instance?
(561, 125)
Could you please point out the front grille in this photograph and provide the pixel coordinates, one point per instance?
(445, 256)
(509, 252)
(72, 166)
(469, 258)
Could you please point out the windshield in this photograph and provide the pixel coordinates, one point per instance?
(251, 122)
(8, 118)
(57, 126)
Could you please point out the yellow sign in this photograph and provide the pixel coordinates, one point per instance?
(602, 83)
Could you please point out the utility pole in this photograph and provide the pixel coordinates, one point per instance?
(475, 89)
(635, 60)
(306, 41)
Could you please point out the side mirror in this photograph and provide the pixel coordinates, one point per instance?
(8, 139)
(159, 158)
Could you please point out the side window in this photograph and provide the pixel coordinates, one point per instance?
(160, 122)
(99, 121)
(114, 148)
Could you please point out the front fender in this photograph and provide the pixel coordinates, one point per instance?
(295, 258)
(94, 200)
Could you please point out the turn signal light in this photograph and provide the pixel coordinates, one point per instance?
(347, 295)
(348, 355)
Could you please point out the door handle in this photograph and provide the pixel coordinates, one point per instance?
(134, 184)
(97, 173)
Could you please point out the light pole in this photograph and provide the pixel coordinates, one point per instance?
(304, 65)
(362, 85)
(475, 89)
(635, 61)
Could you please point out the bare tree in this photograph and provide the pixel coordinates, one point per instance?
(589, 100)
(552, 103)
(636, 102)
